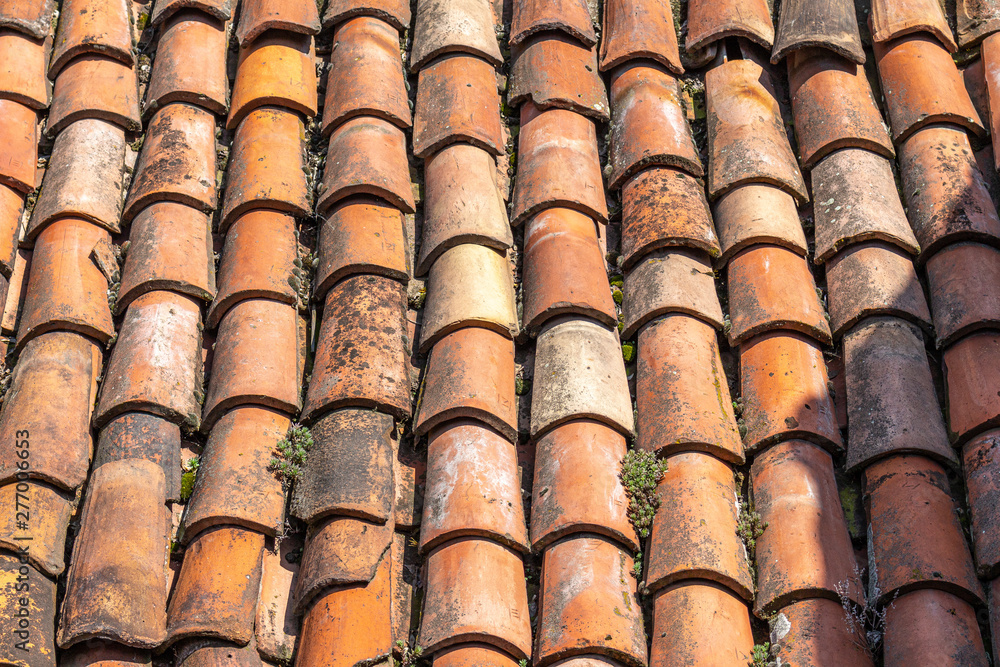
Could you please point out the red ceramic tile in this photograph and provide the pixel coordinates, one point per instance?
(664, 207)
(681, 393)
(95, 87)
(555, 70)
(576, 489)
(932, 627)
(702, 624)
(588, 603)
(891, 401)
(394, 12)
(234, 484)
(256, 359)
(139, 435)
(349, 471)
(156, 364)
(19, 154)
(856, 200)
(67, 290)
(831, 26)
(383, 172)
(785, 391)
(95, 653)
(442, 28)
(278, 69)
(975, 20)
(551, 285)
(461, 204)
(475, 591)
(946, 197)
(473, 488)
(15, 293)
(116, 587)
(84, 177)
(746, 134)
(755, 214)
(473, 655)
(694, 532)
(922, 86)
(43, 534)
(961, 278)
(569, 16)
(22, 70)
(971, 375)
(31, 17)
(670, 281)
(276, 627)
(810, 632)
(579, 372)
(805, 551)
(177, 162)
(207, 652)
(11, 206)
(57, 371)
(361, 358)
(710, 22)
(40, 608)
(215, 594)
(170, 248)
(470, 374)
(916, 540)
(981, 458)
(639, 31)
(558, 165)
(457, 101)
(164, 9)
(974, 76)
(266, 166)
(258, 16)
(990, 62)
(102, 27)
(833, 107)
(367, 74)
(648, 126)
(771, 288)
(190, 64)
(872, 279)
(895, 18)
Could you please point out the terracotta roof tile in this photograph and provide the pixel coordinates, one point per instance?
(190, 64)
(474, 593)
(552, 70)
(382, 173)
(45, 535)
(404, 590)
(168, 383)
(349, 471)
(805, 550)
(277, 69)
(22, 72)
(671, 281)
(361, 359)
(409, 470)
(569, 16)
(462, 203)
(976, 20)
(265, 166)
(469, 375)
(922, 86)
(394, 12)
(95, 653)
(138, 435)
(710, 21)
(648, 125)
(754, 214)
(681, 393)
(588, 603)
(833, 107)
(369, 78)
(473, 655)
(203, 652)
(701, 623)
(454, 27)
(639, 31)
(982, 479)
(457, 101)
(473, 489)
(575, 487)
(831, 26)
(579, 372)
(11, 209)
(259, 16)
(855, 200)
(930, 552)
(891, 401)
(746, 134)
(558, 165)
(785, 391)
(647, 198)
(95, 87)
(84, 177)
(973, 403)
(101, 27)
(19, 129)
(234, 485)
(961, 278)
(890, 19)
(989, 62)
(933, 627)
(215, 594)
(170, 248)
(41, 645)
(164, 9)
(32, 17)
(811, 631)
(276, 627)
(116, 586)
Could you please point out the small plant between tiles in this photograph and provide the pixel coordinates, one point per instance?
(188, 477)
(640, 473)
(290, 454)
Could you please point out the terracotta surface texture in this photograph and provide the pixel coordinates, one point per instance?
(553, 70)
(670, 281)
(709, 22)
(895, 18)
(441, 28)
(973, 405)
(190, 64)
(31, 17)
(394, 12)
(95, 87)
(92, 26)
(755, 215)
(638, 31)
(278, 69)
(258, 16)
(831, 26)
(22, 74)
(569, 16)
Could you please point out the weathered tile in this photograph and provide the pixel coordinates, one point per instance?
(975, 20)
(989, 62)
(454, 27)
(33, 643)
(259, 16)
(164, 9)
(34, 526)
(569, 16)
(394, 12)
(116, 587)
(11, 208)
(368, 75)
(971, 374)
(473, 654)
(98, 653)
(681, 392)
(894, 18)
(981, 459)
(22, 69)
(639, 31)
(209, 652)
(32, 17)
(757, 214)
(933, 627)
(277, 69)
(710, 22)
(831, 26)
(139, 435)
(700, 623)
(190, 64)
(102, 27)
(95, 87)
(811, 631)
(670, 281)
(962, 279)
(276, 627)
(555, 70)
(19, 152)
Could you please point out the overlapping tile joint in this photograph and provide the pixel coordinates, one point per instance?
(499, 333)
